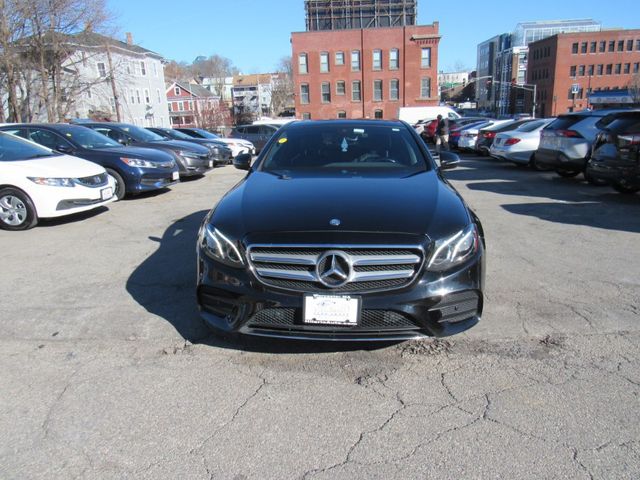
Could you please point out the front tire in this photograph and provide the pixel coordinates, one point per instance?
(567, 173)
(626, 189)
(120, 185)
(17, 211)
(597, 182)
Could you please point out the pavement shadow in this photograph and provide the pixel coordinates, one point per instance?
(164, 284)
(572, 200)
(74, 217)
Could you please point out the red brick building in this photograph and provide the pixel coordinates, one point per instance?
(365, 72)
(593, 62)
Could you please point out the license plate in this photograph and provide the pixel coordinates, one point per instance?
(210, 163)
(331, 310)
(175, 175)
(106, 193)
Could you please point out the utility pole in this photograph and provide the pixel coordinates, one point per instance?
(112, 79)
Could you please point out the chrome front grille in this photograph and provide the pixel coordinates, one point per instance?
(365, 269)
(94, 180)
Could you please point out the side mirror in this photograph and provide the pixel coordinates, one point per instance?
(64, 149)
(448, 160)
(242, 161)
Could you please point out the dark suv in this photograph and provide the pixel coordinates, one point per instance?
(134, 169)
(259, 135)
(615, 157)
(342, 230)
(192, 159)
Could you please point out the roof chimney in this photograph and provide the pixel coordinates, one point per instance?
(129, 38)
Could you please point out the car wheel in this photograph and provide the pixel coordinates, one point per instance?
(120, 186)
(535, 165)
(597, 182)
(567, 173)
(16, 210)
(627, 189)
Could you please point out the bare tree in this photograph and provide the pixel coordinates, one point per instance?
(282, 87)
(634, 89)
(12, 25)
(215, 69)
(177, 71)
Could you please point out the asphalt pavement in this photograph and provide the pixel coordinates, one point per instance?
(107, 372)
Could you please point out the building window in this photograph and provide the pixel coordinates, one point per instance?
(339, 58)
(147, 98)
(176, 91)
(609, 69)
(583, 47)
(592, 47)
(155, 69)
(158, 94)
(377, 90)
(627, 68)
(618, 68)
(394, 59)
(636, 67)
(138, 96)
(638, 44)
(302, 63)
(394, 89)
(133, 98)
(306, 116)
(89, 92)
(377, 59)
(143, 69)
(377, 114)
(612, 45)
(325, 89)
(102, 71)
(304, 93)
(574, 48)
(603, 46)
(180, 106)
(128, 67)
(590, 70)
(581, 71)
(629, 45)
(356, 93)
(599, 69)
(425, 57)
(425, 87)
(620, 45)
(572, 71)
(342, 114)
(340, 87)
(324, 62)
(355, 60)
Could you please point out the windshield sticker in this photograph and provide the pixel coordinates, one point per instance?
(282, 140)
(395, 129)
(358, 130)
(69, 135)
(344, 145)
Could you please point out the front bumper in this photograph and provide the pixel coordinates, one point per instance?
(232, 300)
(148, 179)
(189, 166)
(53, 202)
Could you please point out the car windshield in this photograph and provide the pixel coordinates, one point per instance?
(14, 149)
(142, 134)
(358, 147)
(176, 134)
(87, 138)
(206, 134)
(531, 126)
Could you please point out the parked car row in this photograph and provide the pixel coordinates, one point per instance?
(96, 163)
(603, 145)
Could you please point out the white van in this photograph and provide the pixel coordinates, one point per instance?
(413, 115)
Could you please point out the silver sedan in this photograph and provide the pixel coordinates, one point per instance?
(519, 145)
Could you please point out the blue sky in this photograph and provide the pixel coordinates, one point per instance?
(254, 34)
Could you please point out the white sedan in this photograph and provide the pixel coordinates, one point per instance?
(237, 145)
(39, 183)
(519, 145)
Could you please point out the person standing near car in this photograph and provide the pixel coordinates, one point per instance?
(442, 134)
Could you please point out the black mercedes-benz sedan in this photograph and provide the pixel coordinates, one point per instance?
(342, 230)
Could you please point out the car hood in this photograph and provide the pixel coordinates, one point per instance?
(421, 204)
(59, 166)
(178, 145)
(136, 152)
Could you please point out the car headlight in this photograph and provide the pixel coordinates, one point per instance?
(138, 162)
(454, 250)
(53, 182)
(218, 246)
(188, 154)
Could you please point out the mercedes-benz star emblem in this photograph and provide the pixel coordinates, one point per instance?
(333, 269)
